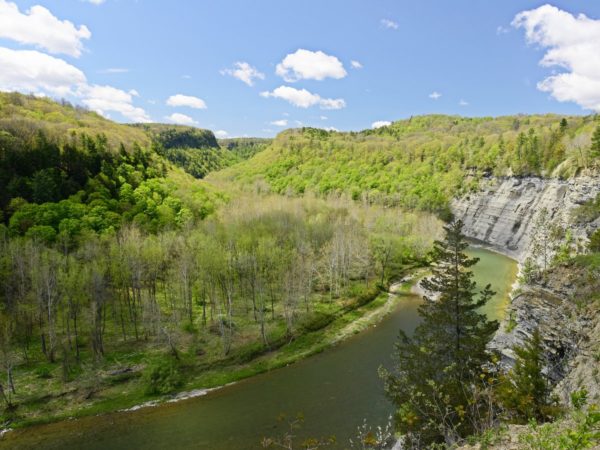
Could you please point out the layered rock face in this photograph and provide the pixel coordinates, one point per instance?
(502, 214)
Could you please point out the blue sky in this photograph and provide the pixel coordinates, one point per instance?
(149, 50)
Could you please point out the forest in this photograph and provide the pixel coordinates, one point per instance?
(138, 261)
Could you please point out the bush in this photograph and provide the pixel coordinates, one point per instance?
(315, 321)
(162, 377)
(43, 372)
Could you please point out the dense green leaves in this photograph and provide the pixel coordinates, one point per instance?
(437, 371)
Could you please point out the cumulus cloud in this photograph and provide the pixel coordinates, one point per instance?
(39, 27)
(380, 123)
(356, 64)
(308, 65)
(389, 24)
(95, 2)
(181, 119)
(111, 70)
(463, 102)
(435, 95)
(279, 123)
(572, 43)
(323, 117)
(303, 98)
(244, 72)
(186, 100)
(221, 134)
(36, 72)
(107, 98)
(32, 71)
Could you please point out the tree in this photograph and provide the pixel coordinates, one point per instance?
(595, 148)
(525, 393)
(436, 371)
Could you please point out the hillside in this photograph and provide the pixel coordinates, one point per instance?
(66, 172)
(420, 162)
(24, 115)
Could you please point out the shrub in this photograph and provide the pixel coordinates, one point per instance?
(162, 377)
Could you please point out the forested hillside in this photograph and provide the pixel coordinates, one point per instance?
(420, 162)
(66, 172)
(115, 261)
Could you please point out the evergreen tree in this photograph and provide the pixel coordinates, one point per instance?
(525, 394)
(436, 371)
(563, 125)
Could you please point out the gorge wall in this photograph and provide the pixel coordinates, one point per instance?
(502, 214)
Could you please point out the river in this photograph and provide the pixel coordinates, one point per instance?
(334, 390)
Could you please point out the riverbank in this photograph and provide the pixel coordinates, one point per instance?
(130, 394)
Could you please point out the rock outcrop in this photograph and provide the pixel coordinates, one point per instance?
(502, 214)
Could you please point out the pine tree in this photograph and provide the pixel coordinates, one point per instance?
(436, 370)
(525, 393)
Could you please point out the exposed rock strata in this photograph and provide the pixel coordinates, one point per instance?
(502, 214)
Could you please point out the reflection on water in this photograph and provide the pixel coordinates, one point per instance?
(335, 391)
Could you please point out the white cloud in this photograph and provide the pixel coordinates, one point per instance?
(186, 100)
(435, 95)
(332, 103)
(41, 28)
(279, 123)
(389, 24)
(107, 98)
(303, 98)
(31, 71)
(572, 43)
(380, 123)
(331, 129)
(308, 65)
(323, 117)
(221, 134)
(181, 119)
(95, 2)
(501, 30)
(186, 77)
(244, 72)
(114, 70)
(463, 102)
(356, 64)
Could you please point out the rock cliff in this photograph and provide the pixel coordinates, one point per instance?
(502, 214)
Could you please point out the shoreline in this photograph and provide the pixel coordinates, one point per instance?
(337, 332)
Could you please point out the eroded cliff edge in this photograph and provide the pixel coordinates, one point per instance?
(502, 214)
(562, 305)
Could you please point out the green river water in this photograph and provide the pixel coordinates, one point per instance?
(335, 391)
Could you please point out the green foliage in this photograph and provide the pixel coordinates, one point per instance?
(525, 394)
(162, 376)
(418, 163)
(594, 245)
(437, 371)
(578, 432)
(587, 212)
(244, 148)
(595, 148)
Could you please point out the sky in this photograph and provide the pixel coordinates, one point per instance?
(254, 68)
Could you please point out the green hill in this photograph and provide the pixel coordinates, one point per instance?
(420, 162)
(193, 149)
(66, 172)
